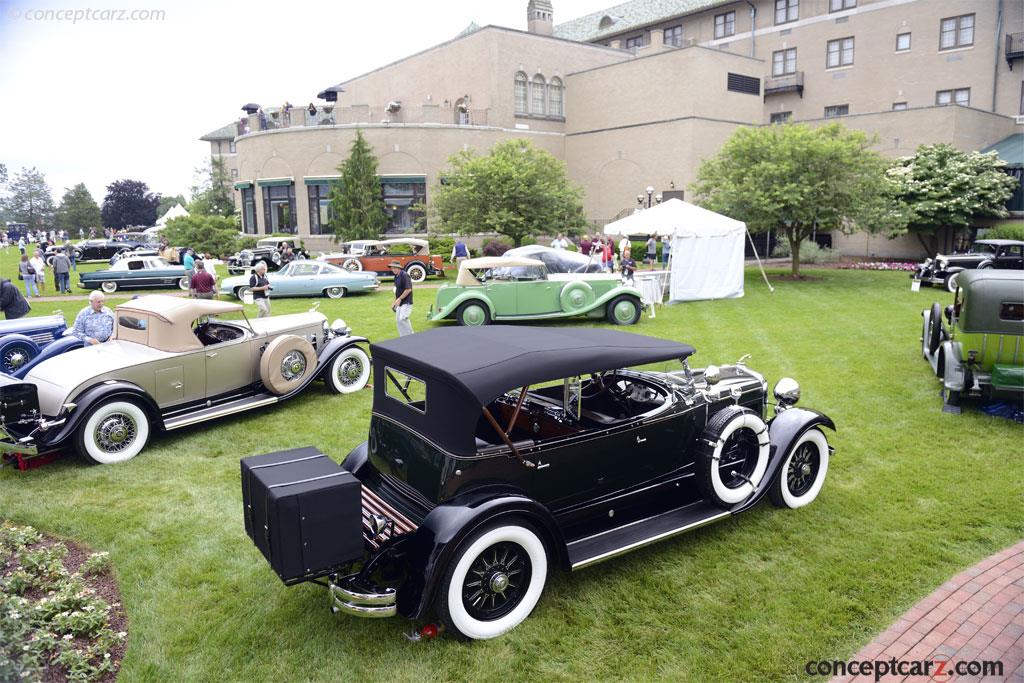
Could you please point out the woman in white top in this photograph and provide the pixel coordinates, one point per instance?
(39, 265)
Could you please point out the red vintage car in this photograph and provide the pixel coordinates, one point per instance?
(375, 255)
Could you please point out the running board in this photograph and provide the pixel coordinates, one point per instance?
(220, 410)
(603, 546)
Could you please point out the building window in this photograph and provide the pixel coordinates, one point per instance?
(673, 36)
(234, 173)
(837, 110)
(786, 11)
(320, 214)
(538, 88)
(520, 93)
(899, 106)
(840, 5)
(249, 210)
(840, 53)
(279, 208)
(961, 96)
(555, 97)
(956, 32)
(231, 147)
(902, 42)
(784, 62)
(635, 43)
(400, 201)
(781, 117)
(725, 25)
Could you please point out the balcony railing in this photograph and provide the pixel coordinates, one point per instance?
(1014, 47)
(793, 82)
(298, 117)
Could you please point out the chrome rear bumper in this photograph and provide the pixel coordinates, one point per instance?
(361, 601)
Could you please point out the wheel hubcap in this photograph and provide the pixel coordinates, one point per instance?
(350, 370)
(14, 359)
(115, 433)
(496, 581)
(474, 315)
(624, 311)
(803, 469)
(293, 365)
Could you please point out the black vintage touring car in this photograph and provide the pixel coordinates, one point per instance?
(497, 453)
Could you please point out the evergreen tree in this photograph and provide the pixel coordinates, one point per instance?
(78, 210)
(356, 202)
(29, 200)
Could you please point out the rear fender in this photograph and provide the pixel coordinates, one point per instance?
(784, 430)
(952, 366)
(435, 542)
(453, 305)
(603, 300)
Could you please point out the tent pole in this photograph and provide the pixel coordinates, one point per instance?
(763, 274)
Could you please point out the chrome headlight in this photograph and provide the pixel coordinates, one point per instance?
(787, 392)
(338, 327)
(712, 374)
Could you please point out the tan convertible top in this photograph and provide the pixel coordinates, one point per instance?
(467, 279)
(165, 322)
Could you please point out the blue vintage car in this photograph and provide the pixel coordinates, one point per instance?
(26, 341)
(306, 278)
(136, 272)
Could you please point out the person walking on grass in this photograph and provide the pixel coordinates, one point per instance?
(402, 306)
(39, 265)
(62, 271)
(94, 323)
(260, 285)
(203, 283)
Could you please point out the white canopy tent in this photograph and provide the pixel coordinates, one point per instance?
(176, 211)
(706, 260)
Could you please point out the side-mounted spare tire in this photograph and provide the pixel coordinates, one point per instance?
(935, 328)
(286, 363)
(576, 296)
(732, 456)
(15, 353)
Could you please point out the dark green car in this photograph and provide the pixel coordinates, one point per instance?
(502, 289)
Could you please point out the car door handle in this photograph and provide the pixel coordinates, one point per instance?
(641, 439)
(211, 354)
(177, 385)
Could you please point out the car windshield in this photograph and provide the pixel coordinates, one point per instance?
(984, 248)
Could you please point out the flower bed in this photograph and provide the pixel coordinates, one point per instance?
(60, 612)
(880, 265)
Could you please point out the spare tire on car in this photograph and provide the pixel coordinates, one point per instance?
(286, 363)
(732, 456)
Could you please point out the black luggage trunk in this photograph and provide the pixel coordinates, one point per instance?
(303, 511)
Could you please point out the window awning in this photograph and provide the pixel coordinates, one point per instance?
(323, 180)
(275, 182)
(1010, 150)
(243, 185)
(414, 179)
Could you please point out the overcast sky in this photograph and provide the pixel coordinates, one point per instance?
(98, 100)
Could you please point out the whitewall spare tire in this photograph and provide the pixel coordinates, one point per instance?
(802, 474)
(286, 363)
(493, 582)
(349, 371)
(732, 456)
(113, 432)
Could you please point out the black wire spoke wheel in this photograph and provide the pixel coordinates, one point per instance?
(739, 458)
(803, 469)
(496, 581)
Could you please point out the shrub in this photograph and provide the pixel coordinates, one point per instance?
(810, 252)
(214, 235)
(496, 248)
(442, 245)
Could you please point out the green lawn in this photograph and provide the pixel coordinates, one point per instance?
(913, 496)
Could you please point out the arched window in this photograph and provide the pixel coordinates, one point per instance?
(537, 97)
(520, 93)
(555, 95)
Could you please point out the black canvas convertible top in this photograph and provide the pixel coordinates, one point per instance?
(465, 368)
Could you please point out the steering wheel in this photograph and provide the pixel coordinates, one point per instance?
(594, 388)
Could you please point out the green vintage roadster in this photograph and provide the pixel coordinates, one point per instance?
(504, 288)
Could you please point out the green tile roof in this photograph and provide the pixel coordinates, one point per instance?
(1010, 150)
(227, 132)
(629, 15)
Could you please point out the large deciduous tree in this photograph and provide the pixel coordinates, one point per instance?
(78, 209)
(799, 180)
(29, 200)
(211, 195)
(517, 190)
(129, 203)
(356, 204)
(940, 187)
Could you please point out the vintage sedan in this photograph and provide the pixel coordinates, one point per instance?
(136, 272)
(497, 455)
(306, 278)
(981, 353)
(414, 255)
(25, 339)
(499, 288)
(172, 362)
(105, 249)
(945, 269)
(270, 250)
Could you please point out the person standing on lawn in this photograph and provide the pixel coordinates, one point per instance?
(94, 323)
(402, 305)
(39, 265)
(666, 247)
(203, 283)
(652, 251)
(62, 271)
(28, 274)
(12, 303)
(189, 261)
(260, 285)
(459, 252)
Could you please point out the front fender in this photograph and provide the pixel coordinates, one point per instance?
(93, 396)
(436, 541)
(783, 432)
(335, 346)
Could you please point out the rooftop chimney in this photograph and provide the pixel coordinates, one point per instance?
(540, 17)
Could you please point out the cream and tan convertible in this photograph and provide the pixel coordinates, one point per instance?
(172, 362)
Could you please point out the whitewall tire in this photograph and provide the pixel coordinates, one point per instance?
(109, 287)
(349, 371)
(802, 474)
(493, 582)
(417, 273)
(114, 432)
(733, 456)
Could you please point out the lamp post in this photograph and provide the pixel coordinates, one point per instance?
(651, 198)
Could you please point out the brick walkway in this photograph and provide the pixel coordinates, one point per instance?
(976, 615)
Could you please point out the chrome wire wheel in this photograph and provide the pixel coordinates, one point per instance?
(293, 365)
(803, 469)
(496, 581)
(115, 433)
(350, 371)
